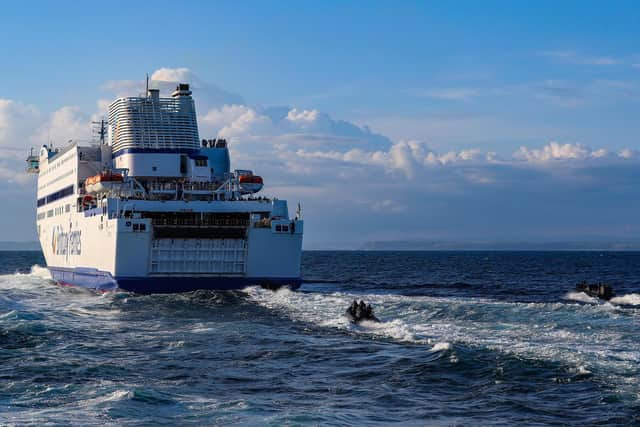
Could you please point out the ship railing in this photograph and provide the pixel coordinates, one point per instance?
(200, 187)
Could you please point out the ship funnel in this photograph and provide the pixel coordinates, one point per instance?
(181, 90)
(153, 94)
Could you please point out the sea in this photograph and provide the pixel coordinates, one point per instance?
(465, 338)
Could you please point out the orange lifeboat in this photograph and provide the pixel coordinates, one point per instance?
(103, 182)
(253, 179)
(250, 183)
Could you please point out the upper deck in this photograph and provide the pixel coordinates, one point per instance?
(154, 123)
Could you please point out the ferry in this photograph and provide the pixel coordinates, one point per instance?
(149, 207)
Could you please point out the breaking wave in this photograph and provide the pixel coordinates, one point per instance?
(579, 336)
(630, 299)
(581, 297)
(495, 353)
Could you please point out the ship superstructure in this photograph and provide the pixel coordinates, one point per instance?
(150, 207)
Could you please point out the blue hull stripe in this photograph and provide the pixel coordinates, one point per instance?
(103, 281)
(154, 151)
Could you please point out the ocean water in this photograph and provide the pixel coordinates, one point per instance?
(466, 338)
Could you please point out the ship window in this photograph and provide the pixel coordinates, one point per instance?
(154, 168)
(67, 208)
(201, 162)
(278, 228)
(143, 227)
(136, 227)
(183, 164)
(285, 228)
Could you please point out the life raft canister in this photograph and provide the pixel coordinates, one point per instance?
(87, 202)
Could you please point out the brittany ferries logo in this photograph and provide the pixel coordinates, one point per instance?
(66, 243)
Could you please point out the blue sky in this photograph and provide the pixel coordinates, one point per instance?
(410, 81)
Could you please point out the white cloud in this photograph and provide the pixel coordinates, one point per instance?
(289, 126)
(24, 126)
(553, 151)
(16, 123)
(336, 165)
(207, 95)
(173, 75)
(556, 151)
(627, 153)
(64, 124)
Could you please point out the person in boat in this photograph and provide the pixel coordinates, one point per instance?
(369, 311)
(353, 309)
(361, 311)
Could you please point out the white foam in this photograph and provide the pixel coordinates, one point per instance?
(441, 346)
(629, 299)
(9, 315)
(396, 329)
(587, 335)
(581, 297)
(41, 272)
(328, 310)
(114, 396)
(582, 370)
(117, 395)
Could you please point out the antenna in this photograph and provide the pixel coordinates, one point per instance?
(147, 86)
(102, 132)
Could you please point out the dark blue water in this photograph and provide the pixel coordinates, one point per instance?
(477, 338)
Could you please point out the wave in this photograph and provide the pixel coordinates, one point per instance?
(41, 272)
(586, 338)
(629, 299)
(581, 297)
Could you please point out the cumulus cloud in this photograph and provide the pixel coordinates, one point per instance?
(207, 94)
(627, 153)
(344, 170)
(16, 122)
(24, 126)
(173, 75)
(556, 151)
(65, 124)
(291, 126)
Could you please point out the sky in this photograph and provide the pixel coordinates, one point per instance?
(458, 121)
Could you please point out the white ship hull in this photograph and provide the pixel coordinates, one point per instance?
(177, 219)
(99, 249)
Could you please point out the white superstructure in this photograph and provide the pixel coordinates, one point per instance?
(151, 208)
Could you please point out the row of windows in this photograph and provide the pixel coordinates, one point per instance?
(153, 123)
(54, 212)
(67, 191)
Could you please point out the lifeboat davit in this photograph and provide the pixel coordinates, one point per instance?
(250, 183)
(103, 182)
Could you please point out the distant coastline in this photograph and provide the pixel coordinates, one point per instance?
(420, 245)
(427, 245)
